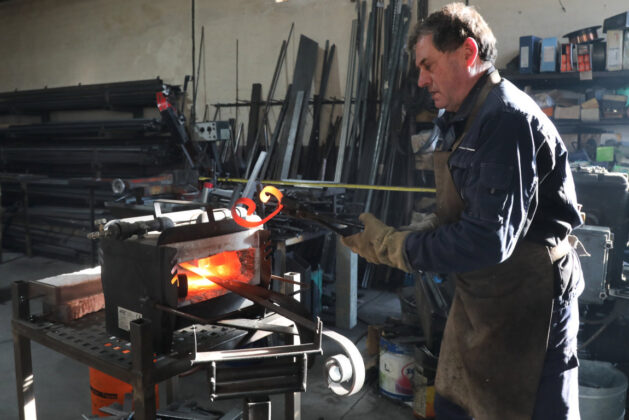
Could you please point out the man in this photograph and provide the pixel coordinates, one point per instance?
(505, 207)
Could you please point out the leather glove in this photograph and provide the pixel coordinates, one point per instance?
(422, 221)
(379, 243)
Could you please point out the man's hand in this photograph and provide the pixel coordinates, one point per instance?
(379, 243)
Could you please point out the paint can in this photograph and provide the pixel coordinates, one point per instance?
(106, 390)
(397, 366)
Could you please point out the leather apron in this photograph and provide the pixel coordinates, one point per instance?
(496, 335)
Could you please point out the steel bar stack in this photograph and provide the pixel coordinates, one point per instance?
(370, 142)
(76, 140)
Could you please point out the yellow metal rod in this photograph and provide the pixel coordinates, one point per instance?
(323, 184)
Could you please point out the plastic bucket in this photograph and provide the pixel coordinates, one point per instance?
(602, 391)
(397, 367)
(106, 390)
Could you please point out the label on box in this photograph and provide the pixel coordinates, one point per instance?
(614, 50)
(613, 57)
(125, 317)
(524, 57)
(548, 53)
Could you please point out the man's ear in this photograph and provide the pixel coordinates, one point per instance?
(470, 48)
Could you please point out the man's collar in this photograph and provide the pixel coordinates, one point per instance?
(468, 103)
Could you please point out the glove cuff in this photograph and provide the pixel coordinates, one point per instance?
(392, 251)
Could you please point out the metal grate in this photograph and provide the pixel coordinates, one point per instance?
(89, 336)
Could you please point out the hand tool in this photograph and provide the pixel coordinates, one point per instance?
(296, 209)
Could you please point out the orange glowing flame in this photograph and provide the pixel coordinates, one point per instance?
(225, 265)
(265, 196)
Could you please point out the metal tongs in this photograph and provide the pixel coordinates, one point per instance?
(293, 208)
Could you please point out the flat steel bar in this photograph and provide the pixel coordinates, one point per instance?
(255, 175)
(292, 135)
(349, 89)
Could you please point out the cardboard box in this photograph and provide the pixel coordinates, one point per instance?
(613, 106)
(567, 58)
(590, 110)
(568, 112)
(590, 114)
(614, 56)
(549, 55)
(584, 57)
(530, 47)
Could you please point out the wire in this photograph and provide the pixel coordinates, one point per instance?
(615, 313)
(319, 184)
(595, 335)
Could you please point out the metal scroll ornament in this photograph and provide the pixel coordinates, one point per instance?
(265, 195)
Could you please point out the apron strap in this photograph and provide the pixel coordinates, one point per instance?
(493, 80)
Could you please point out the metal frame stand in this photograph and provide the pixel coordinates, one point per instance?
(141, 377)
(140, 367)
(257, 409)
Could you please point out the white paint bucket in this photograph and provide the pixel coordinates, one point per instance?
(396, 369)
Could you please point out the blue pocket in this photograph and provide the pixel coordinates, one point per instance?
(495, 183)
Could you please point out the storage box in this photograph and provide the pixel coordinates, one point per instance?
(568, 58)
(590, 114)
(549, 55)
(614, 50)
(568, 112)
(605, 200)
(530, 47)
(619, 21)
(613, 106)
(597, 241)
(584, 57)
(605, 154)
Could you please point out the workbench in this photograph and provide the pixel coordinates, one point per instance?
(86, 341)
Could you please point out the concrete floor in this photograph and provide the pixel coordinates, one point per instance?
(62, 385)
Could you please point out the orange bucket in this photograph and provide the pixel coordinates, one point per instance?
(106, 390)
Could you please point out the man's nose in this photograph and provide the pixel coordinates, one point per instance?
(423, 79)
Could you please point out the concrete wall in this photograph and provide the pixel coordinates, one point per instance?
(65, 42)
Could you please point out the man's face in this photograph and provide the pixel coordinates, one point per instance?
(443, 74)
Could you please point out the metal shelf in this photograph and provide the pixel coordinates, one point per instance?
(578, 126)
(568, 80)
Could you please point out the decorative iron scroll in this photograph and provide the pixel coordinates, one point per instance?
(265, 196)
